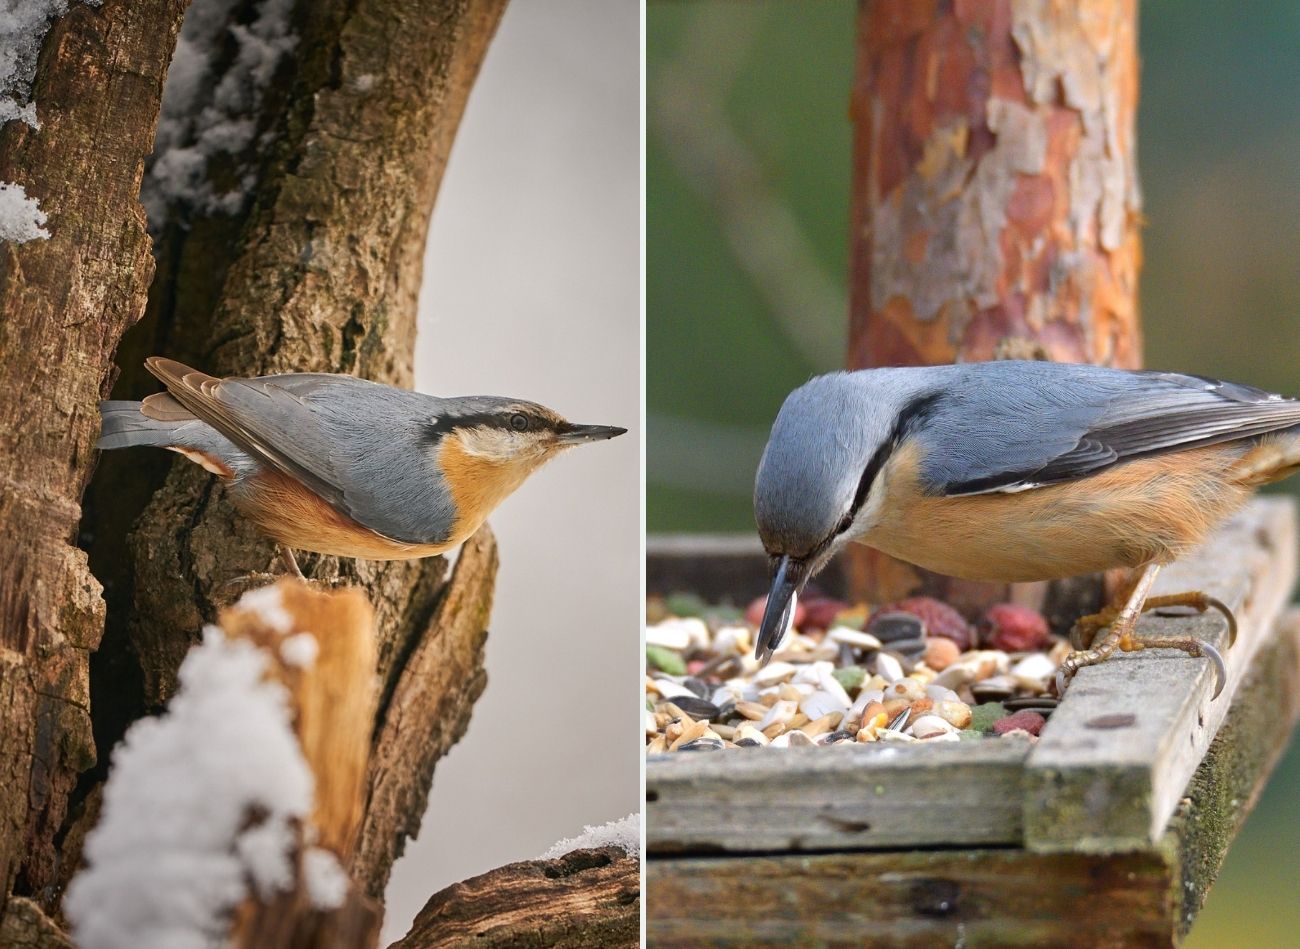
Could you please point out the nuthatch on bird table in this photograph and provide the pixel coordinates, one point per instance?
(1016, 471)
(339, 465)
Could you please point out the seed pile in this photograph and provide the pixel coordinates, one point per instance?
(911, 671)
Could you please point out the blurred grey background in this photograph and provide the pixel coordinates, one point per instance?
(747, 193)
(531, 290)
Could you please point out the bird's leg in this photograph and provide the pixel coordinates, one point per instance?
(1123, 623)
(287, 558)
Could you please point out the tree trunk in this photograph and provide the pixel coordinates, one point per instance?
(322, 274)
(65, 303)
(318, 271)
(995, 199)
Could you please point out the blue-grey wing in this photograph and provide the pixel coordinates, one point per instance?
(1011, 426)
(348, 440)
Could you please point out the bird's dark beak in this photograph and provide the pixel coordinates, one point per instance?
(580, 434)
(787, 581)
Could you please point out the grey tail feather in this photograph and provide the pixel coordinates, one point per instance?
(123, 426)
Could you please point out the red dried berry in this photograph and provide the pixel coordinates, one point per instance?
(1015, 628)
(820, 612)
(940, 619)
(1031, 722)
(754, 614)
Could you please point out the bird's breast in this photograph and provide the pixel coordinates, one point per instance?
(478, 483)
(1144, 510)
(294, 515)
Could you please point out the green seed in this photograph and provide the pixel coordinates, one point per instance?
(851, 677)
(685, 604)
(665, 660)
(983, 716)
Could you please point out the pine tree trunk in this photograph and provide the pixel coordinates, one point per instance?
(996, 208)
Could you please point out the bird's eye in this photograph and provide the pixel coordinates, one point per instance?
(519, 422)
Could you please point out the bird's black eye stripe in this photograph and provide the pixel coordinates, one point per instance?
(912, 413)
(517, 421)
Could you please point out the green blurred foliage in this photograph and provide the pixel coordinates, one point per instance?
(1219, 153)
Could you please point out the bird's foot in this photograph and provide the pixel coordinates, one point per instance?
(290, 562)
(260, 578)
(250, 580)
(1089, 650)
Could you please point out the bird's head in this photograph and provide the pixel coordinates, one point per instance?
(817, 487)
(487, 446)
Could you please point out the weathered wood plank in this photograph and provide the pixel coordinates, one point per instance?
(910, 899)
(1005, 896)
(1108, 789)
(843, 797)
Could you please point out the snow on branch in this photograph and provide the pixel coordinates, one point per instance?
(205, 115)
(625, 833)
(21, 217)
(236, 805)
(23, 25)
(200, 803)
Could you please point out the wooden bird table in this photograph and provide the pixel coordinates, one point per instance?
(1108, 830)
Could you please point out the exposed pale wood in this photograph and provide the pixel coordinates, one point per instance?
(334, 697)
(996, 208)
(332, 701)
(427, 713)
(848, 796)
(1002, 897)
(24, 926)
(64, 304)
(1114, 789)
(1079, 788)
(586, 898)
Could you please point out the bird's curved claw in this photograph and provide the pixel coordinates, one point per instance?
(1061, 679)
(1220, 668)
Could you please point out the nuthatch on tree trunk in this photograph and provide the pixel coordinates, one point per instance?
(1016, 471)
(338, 465)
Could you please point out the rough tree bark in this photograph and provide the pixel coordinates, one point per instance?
(995, 198)
(586, 898)
(64, 303)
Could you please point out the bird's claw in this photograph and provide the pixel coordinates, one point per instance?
(1061, 679)
(1220, 667)
(1194, 648)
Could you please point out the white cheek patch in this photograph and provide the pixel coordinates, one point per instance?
(495, 444)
